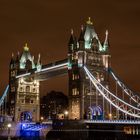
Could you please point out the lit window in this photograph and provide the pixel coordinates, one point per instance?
(72, 47)
(72, 76)
(75, 91)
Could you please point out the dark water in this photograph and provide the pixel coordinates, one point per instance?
(76, 135)
(25, 135)
(90, 135)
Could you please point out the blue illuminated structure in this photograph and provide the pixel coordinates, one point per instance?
(26, 116)
(31, 130)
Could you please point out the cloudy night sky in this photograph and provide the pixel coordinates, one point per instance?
(45, 25)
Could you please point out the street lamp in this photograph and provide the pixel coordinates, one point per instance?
(9, 126)
(110, 116)
(66, 113)
(42, 118)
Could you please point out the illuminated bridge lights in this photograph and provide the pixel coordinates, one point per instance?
(4, 95)
(102, 90)
(113, 121)
(57, 66)
(33, 126)
(54, 67)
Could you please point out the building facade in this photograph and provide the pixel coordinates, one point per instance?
(24, 100)
(87, 51)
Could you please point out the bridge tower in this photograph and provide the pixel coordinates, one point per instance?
(87, 50)
(24, 101)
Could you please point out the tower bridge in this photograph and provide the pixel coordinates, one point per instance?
(89, 70)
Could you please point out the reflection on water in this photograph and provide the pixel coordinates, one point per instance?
(90, 135)
(32, 135)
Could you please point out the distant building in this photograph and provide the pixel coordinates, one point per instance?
(53, 105)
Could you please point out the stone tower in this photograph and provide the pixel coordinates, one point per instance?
(87, 51)
(24, 100)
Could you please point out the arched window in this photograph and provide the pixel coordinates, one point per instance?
(27, 88)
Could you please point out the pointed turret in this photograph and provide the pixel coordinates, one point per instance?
(33, 64)
(12, 62)
(75, 44)
(89, 34)
(18, 57)
(106, 42)
(89, 22)
(12, 58)
(81, 37)
(26, 48)
(25, 56)
(39, 60)
(17, 61)
(71, 41)
(39, 65)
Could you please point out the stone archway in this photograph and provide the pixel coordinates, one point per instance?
(26, 116)
(97, 112)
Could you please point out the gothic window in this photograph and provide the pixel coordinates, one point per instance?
(21, 89)
(32, 101)
(27, 88)
(27, 100)
(22, 101)
(75, 91)
(34, 90)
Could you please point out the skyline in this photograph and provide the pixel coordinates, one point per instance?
(123, 35)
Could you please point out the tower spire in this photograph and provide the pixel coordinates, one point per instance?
(89, 22)
(71, 31)
(26, 48)
(12, 55)
(71, 41)
(106, 42)
(106, 37)
(81, 37)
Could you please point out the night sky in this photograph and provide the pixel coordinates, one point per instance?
(45, 25)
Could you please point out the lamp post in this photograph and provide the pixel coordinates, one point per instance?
(110, 116)
(41, 118)
(9, 128)
(66, 114)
